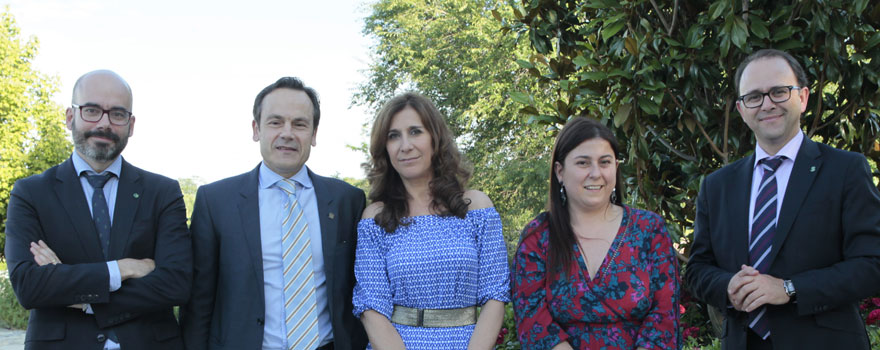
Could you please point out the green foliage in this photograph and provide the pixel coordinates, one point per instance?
(459, 54)
(189, 186)
(874, 336)
(12, 315)
(659, 72)
(32, 130)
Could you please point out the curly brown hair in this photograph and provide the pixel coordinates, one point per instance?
(450, 173)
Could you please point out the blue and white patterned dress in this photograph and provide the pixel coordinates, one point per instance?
(435, 262)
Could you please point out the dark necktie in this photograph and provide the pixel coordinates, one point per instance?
(763, 230)
(100, 211)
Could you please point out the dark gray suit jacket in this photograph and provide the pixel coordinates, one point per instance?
(227, 308)
(827, 242)
(149, 222)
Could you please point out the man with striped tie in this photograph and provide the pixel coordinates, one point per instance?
(97, 248)
(274, 247)
(787, 240)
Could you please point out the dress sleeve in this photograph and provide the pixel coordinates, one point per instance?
(494, 270)
(372, 290)
(659, 328)
(535, 325)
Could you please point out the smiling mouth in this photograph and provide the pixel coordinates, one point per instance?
(408, 159)
(770, 117)
(285, 148)
(594, 187)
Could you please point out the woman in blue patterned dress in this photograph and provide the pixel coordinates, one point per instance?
(592, 273)
(428, 251)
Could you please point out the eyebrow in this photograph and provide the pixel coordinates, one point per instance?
(92, 104)
(768, 90)
(600, 157)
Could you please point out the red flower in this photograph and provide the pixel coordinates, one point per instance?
(875, 301)
(500, 339)
(691, 332)
(873, 317)
(681, 309)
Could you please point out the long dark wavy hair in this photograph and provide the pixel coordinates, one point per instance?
(575, 132)
(450, 173)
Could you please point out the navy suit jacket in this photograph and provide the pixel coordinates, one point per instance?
(227, 307)
(827, 243)
(149, 222)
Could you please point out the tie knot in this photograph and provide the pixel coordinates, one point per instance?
(98, 181)
(287, 185)
(772, 163)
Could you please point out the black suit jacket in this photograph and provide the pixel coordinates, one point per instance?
(149, 222)
(227, 307)
(827, 242)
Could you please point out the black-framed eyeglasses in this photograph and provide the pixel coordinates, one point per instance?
(93, 114)
(777, 94)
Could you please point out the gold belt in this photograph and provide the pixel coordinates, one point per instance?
(434, 318)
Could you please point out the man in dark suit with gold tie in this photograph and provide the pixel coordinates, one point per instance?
(98, 249)
(787, 240)
(274, 247)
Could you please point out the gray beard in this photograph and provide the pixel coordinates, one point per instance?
(101, 153)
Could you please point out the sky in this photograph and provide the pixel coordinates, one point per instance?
(195, 68)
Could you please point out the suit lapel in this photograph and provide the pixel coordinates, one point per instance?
(70, 193)
(806, 166)
(740, 191)
(329, 220)
(128, 193)
(249, 213)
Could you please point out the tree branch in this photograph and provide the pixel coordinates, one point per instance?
(660, 14)
(817, 115)
(669, 145)
(674, 16)
(708, 139)
(726, 129)
(745, 6)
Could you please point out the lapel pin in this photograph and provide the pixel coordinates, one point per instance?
(331, 216)
(136, 195)
(813, 169)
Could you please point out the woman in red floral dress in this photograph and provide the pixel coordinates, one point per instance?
(592, 273)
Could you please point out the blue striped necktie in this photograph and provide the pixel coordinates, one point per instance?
(763, 230)
(300, 303)
(100, 210)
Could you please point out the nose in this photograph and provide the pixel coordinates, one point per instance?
(767, 103)
(103, 122)
(594, 172)
(405, 144)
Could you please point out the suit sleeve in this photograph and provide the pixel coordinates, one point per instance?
(857, 275)
(704, 278)
(169, 283)
(195, 316)
(50, 285)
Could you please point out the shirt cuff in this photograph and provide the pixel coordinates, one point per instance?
(89, 309)
(115, 275)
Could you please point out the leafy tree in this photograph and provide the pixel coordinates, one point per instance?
(33, 135)
(458, 55)
(189, 186)
(660, 73)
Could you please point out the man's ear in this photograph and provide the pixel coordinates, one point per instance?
(256, 128)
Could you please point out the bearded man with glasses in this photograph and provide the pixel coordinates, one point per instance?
(787, 240)
(98, 249)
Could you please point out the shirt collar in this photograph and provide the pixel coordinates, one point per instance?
(268, 178)
(81, 165)
(790, 150)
